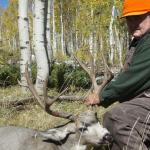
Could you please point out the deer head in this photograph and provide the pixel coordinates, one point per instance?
(85, 131)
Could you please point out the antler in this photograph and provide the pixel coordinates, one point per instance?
(47, 102)
(108, 75)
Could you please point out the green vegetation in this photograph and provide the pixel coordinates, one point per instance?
(9, 75)
(62, 75)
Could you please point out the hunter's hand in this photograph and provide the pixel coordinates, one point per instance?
(92, 99)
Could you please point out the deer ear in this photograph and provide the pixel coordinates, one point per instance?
(54, 134)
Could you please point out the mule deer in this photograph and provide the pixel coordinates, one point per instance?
(81, 132)
(86, 131)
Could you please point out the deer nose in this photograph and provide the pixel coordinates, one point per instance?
(108, 138)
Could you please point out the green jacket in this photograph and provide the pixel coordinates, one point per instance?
(133, 80)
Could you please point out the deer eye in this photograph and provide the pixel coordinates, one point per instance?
(82, 129)
(88, 124)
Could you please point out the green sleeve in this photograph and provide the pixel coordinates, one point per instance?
(132, 82)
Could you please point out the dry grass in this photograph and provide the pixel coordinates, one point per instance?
(33, 116)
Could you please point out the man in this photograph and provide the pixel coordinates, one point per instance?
(129, 121)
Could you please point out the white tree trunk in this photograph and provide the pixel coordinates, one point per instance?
(111, 38)
(119, 46)
(0, 31)
(54, 31)
(76, 31)
(91, 40)
(39, 49)
(48, 32)
(62, 27)
(71, 44)
(91, 43)
(24, 38)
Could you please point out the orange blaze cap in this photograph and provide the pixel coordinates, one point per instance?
(135, 7)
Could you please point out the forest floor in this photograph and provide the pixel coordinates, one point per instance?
(31, 115)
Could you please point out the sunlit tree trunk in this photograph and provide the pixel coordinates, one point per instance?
(54, 30)
(91, 43)
(39, 48)
(119, 46)
(33, 59)
(71, 44)
(61, 26)
(24, 39)
(48, 32)
(111, 37)
(76, 31)
(91, 38)
(0, 31)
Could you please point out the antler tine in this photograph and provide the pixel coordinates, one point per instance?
(93, 73)
(32, 88)
(82, 65)
(50, 101)
(89, 72)
(47, 102)
(92, 64)
(108, 75)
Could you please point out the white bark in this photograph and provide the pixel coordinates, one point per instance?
(111, 40)
(91, 43)
(62, 27)
(0, 30)
(76, 31)
(62, 35)
(95, 44)
(91, 40)
(71, 44)
(54, 30)
(48, 32)
(24, 38)
(39, 49)
(119, 46)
